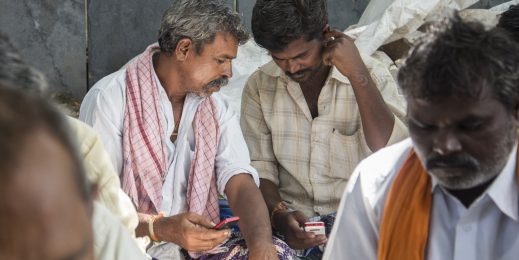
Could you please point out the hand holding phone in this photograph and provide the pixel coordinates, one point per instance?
(227, 223)
(317, 227)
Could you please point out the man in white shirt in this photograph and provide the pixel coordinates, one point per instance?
(150, 109)
(451, 191)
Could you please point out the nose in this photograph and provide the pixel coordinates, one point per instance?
(293, 66)
(447, 143)
(227, 70)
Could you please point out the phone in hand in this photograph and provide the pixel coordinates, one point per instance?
(227, 223)
(317, 227)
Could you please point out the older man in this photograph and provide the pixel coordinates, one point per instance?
(176, 144)
(451, 191)
(312, 114)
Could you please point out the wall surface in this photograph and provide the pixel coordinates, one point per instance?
(52, 34)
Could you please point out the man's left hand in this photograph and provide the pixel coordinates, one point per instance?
(340, 51)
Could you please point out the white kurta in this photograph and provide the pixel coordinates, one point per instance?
(103, 108)
(488, 229)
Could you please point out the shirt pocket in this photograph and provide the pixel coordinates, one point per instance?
(344, 154)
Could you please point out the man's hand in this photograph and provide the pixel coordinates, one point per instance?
(290, 223)
(190, 231)
(340, 51)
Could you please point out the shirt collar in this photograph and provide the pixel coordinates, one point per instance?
(503, 191)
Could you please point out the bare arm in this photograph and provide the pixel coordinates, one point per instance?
(377, 119)
(246, 202)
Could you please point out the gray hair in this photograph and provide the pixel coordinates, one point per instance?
(13, 69)
(198, 20)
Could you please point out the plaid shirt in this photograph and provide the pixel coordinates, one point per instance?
(310, 160)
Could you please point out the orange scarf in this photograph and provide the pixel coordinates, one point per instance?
(404, 228)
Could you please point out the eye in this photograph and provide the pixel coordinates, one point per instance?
(420, 126)
(220, 61)
(471, 126)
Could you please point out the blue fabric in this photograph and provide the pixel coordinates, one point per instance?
(225, 213)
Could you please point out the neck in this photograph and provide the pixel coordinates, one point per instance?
(468, 196)
(318, 79)
(168, 73)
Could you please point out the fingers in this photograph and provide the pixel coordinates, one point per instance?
(199, 220)
(300, 217)
(203, 239)
(316, 241)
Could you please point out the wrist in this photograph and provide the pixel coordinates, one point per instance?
(280, 207)
(152, 226)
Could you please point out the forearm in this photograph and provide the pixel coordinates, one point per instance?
(246, 202)
(270, 194)
(377, 120)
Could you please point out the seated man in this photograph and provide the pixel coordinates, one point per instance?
(111, 240)
(312, 114)
(45, 206)
(176, 145)
(451, 191)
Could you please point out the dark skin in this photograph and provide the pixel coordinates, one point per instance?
(187, 71)
(483, 130)
(309, 63)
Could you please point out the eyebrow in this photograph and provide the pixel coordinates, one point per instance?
(295, 57)
(225, 56)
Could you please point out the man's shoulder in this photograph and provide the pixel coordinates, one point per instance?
(267, 71)
(115, 81)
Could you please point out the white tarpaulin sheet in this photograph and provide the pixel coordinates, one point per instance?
(382, 22)
(399, 19)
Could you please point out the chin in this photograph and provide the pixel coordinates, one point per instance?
(462, 181)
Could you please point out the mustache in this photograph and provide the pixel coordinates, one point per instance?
(453, 161)
(218, 82)
(297, 73)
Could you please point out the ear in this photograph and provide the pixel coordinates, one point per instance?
(327, 28)
(184, 46)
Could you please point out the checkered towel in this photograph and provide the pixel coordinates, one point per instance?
(144, 150)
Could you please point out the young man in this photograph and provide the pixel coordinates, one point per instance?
(176, 144)
(451, 191)
(312, 114)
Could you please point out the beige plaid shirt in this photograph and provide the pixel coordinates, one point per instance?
(310, 160)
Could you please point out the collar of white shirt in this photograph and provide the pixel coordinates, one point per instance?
(503, 191)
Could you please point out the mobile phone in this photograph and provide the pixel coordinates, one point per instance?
(317, 227)
(227, 223)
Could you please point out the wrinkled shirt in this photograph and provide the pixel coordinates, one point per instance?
(311, 160)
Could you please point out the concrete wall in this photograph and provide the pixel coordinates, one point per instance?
(52, 35)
